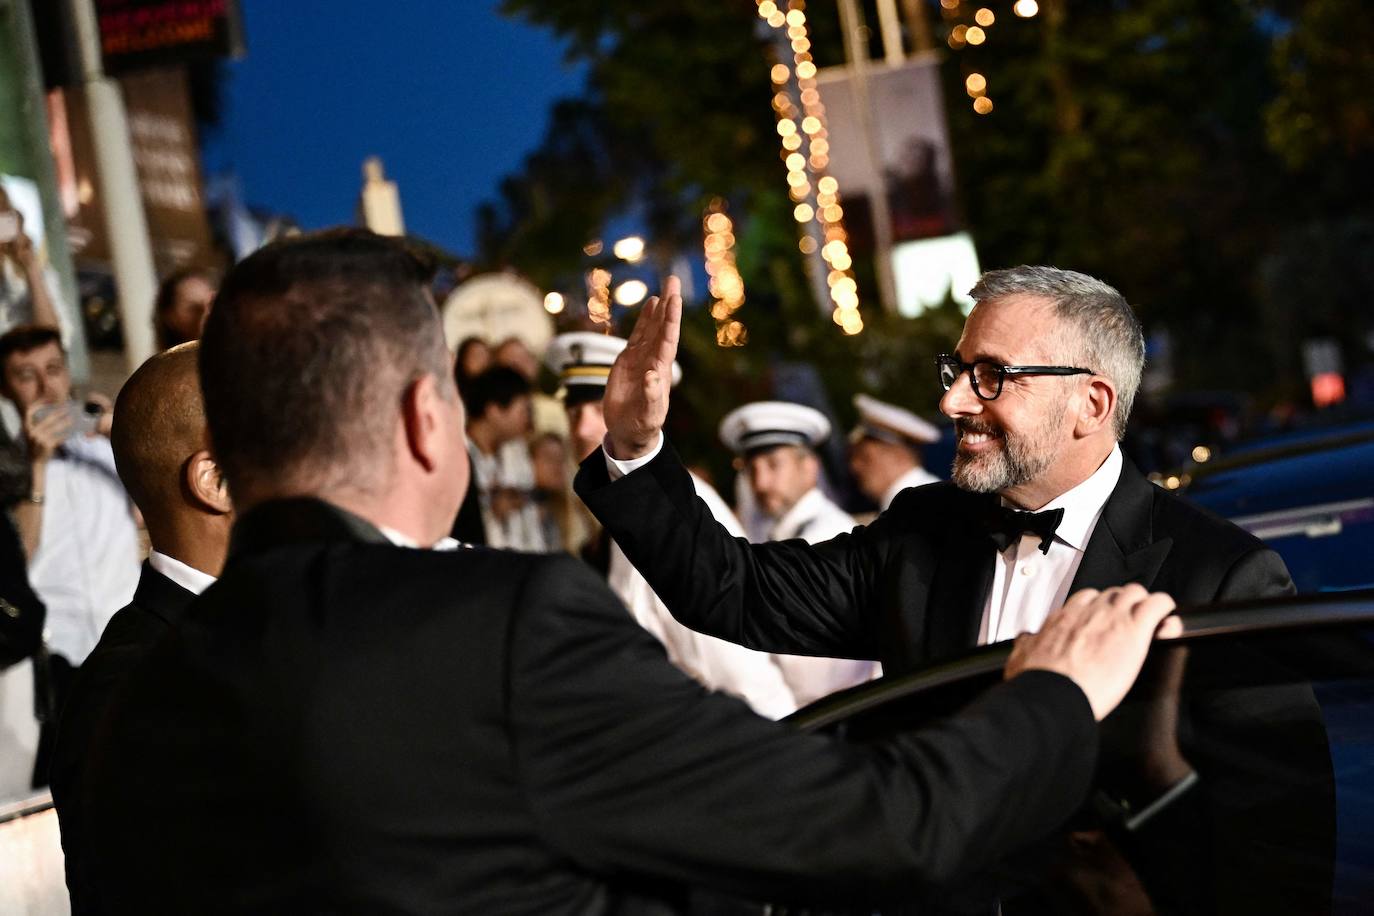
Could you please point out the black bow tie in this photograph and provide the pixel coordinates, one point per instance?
(1005, 526)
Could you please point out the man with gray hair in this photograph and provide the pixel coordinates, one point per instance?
(1042, 501)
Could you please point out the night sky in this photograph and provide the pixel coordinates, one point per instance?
(451, 95)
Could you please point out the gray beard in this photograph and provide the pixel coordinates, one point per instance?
(1021, 459)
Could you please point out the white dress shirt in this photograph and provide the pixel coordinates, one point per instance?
(1028, 584)
(916, 477)
(188, 577)
(86, 566)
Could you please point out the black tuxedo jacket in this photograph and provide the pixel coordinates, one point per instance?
(910, 587)
(157, 605)
(342, 725)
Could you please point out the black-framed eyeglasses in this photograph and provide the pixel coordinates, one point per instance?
(987, 377)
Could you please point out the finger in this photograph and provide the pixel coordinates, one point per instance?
(672, 316)
(1082, 596)
(641, 330)
(1149, 612)
(1170, 628)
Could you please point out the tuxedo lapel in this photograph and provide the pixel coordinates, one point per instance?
(1122, 547)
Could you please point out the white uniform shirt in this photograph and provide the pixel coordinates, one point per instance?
(916, 477)
(752, 676)
(1028, 584)
(809, 678)
(86, 566)
(815, 518)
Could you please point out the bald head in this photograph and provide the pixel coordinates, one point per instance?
(159, 422)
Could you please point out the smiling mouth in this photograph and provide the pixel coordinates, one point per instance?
(976, 440)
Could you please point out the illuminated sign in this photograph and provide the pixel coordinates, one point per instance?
(135, 34)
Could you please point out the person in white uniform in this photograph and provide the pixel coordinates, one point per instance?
(777, 441)
(582, 360)
(885, 450)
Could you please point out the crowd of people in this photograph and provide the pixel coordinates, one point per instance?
(316, 617)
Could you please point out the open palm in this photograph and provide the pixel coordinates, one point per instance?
(636, 399)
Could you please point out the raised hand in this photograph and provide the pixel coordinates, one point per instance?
(636, 401)
(1099, 639)
(45, 435)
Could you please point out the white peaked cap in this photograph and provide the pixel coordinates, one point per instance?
(890, 423)
(586, 357)
(763, 424)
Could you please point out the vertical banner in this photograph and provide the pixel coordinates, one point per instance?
(162, 133)
(908, 159)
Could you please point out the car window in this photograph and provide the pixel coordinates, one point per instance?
(1279, 818)
(1326, 547)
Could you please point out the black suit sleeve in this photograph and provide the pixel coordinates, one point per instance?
(629, 766)
(789, 597)
(1261, 573)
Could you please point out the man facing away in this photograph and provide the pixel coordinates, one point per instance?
(348, 721)
(160, 448)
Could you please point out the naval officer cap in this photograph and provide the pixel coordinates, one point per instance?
(765, 424)
(890, 423)
(582, 361)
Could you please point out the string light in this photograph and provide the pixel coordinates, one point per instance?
(726, 284)
(806, 154)
(553, 303)
(962, 35)
(599, 296)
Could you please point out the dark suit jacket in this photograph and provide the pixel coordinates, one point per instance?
(157, 605)
(342, 725)
(910, 587)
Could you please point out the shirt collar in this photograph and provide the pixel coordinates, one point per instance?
(400, 540)
(188, 577)
(1083, 504)
(795, 519)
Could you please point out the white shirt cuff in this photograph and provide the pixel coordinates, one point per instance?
(618, 469)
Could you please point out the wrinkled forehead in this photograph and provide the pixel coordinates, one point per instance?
(1013, 330)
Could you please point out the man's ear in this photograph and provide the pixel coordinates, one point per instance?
(421, 417)
(205, 482)
(1098, 407)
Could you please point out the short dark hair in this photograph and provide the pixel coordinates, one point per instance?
(167, 297)
(25, 337)
(307, 354)
(498, 385)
